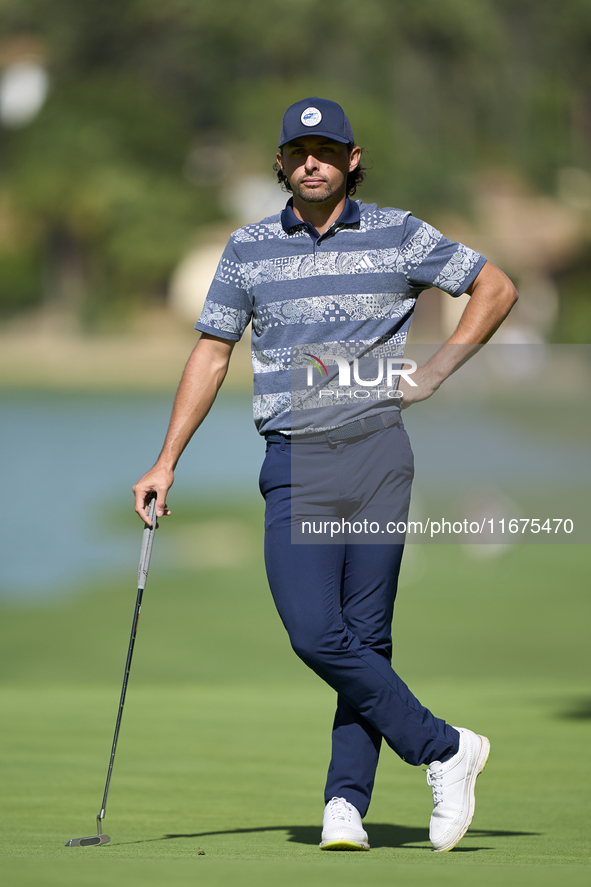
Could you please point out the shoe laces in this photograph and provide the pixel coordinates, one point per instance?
(340, 809)
(435, 780)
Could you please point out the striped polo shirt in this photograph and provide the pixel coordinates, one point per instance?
(349, 293)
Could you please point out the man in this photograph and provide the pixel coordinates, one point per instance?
(337, 276)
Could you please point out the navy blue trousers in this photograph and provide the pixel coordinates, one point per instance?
(336, 600)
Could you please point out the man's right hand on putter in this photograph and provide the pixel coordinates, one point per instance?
(157, 480)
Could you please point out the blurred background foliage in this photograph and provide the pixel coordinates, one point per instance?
(152, 112)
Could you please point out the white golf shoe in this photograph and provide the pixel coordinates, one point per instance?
(342, 828)
(453, 785)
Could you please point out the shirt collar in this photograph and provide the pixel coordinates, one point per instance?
(350, 215)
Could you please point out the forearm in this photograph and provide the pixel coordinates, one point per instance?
(492, 295)
(204, 373)
(201, 380)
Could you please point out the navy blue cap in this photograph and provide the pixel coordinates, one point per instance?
(316, 117)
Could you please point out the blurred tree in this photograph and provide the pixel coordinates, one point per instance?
(125, 161)
(574, 318)
(99, 175)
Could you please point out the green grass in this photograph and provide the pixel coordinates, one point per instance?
(225, 737)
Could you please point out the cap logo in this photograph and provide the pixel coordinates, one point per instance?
(311, 117)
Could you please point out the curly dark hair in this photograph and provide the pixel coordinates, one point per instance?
(354, 179)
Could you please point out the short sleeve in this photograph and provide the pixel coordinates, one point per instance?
(430, 259)
(228, 306)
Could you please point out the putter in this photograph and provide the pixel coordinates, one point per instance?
(147, 540)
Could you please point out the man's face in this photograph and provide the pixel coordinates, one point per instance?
(317, 167)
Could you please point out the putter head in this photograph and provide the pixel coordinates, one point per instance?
(90, 841)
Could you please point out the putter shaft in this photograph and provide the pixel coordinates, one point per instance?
(146, 552)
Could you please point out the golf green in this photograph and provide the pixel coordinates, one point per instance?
(226, 735)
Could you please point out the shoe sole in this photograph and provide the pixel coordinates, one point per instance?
(343, 845)
(480, 765)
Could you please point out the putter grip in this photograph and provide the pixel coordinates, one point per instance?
(147, 540)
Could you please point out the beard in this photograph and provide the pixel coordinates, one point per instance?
(313, 195)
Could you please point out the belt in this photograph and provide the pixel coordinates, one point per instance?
(359, 428)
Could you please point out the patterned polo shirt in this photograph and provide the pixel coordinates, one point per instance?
(348, 293)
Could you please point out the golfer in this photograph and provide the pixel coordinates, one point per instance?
(330, 285)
